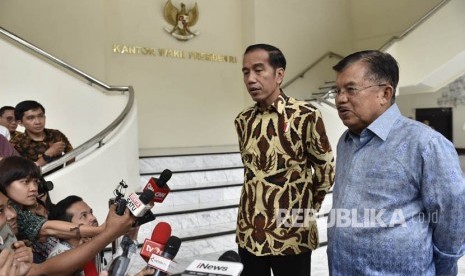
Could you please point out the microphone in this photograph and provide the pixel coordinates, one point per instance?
(230, 256)
(162, 263)
(119, 265)
(160, 236)
(137, 205)
(147, 217)
(159, 186)
(228, 264)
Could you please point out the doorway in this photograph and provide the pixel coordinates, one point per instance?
(439, 119)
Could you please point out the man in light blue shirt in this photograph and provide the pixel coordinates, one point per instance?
(399, 193)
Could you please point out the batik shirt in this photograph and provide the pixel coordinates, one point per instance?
(32, 150)
(29, 225)
(288, 169)
(398, 201)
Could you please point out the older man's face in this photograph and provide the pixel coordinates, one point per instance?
(359, 109)
(8, 120)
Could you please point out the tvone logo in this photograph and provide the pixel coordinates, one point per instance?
(150, 248)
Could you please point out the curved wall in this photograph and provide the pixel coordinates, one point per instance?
(80, 111)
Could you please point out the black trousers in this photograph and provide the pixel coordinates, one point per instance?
(295, 265)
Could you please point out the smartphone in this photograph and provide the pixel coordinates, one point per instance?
(7, 238)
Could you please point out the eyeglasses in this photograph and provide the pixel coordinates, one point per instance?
(350, 91)
(9, 119)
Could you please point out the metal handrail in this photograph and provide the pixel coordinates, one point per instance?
(414, 26)
(382, 48)
(302, 73)
(97, 139)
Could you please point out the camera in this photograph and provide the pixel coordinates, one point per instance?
(44, 186)
(121, 204)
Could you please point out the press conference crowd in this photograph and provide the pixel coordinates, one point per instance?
(388, 166)
(39, 237)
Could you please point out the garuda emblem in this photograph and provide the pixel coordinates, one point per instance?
(181, 20)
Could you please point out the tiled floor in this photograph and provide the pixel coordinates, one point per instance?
(188, 150)
(320, 261)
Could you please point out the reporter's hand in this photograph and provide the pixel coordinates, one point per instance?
(119, 224)
(23, 257)
(7, 263)
(146, 271)
(84, 240)
(55, 149)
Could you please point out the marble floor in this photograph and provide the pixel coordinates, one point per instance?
(319, 258)
(187, 150)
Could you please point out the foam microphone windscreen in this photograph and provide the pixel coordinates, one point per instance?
(164, 177)
(160, 235)
(230, 256)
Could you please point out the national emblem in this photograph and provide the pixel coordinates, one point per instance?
(181, 20)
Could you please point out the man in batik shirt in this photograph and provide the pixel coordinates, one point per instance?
(37, 143)
(288, 169)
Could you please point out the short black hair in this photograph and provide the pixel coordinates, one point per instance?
(382, 66)
(15, 168)
(26, 106)
(275, 56)
(5, 108)
(59, 211)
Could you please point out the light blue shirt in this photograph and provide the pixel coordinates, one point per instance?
(398, 201)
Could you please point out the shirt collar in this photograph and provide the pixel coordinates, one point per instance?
(383, 124)
(278, 105)
(46, 136)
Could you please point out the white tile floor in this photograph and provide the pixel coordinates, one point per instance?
(319, 258)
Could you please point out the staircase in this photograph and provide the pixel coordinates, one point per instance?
(202, 205)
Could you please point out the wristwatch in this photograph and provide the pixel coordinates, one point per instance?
(47, 158)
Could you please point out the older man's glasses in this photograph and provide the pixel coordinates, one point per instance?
(350, 91)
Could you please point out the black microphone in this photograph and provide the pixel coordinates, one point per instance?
(230, 256)
(119, 266)
(138, 205)
(162, 263)
(159, 186)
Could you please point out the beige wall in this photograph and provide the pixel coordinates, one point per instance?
(303, 32)
(374, 22)
(408, 104)
(72, 31)
(182, 102)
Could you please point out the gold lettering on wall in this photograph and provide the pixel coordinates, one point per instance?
(171, 53)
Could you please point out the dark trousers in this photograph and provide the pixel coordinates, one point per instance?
(295, 265)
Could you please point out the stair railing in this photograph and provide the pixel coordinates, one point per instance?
(414, 26)
(97, 140)
(324, 98)
(308, 68)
